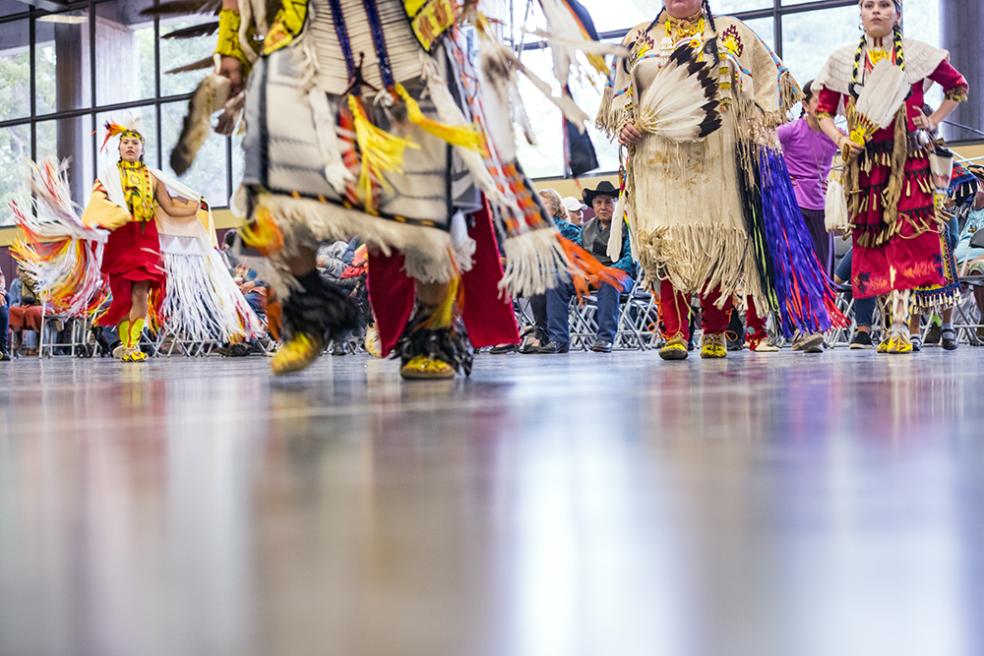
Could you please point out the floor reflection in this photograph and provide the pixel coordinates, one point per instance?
(570, 505)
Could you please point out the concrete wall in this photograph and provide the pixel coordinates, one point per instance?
(963, 27)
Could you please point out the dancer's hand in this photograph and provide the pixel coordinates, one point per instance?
(629, 135)
(232, 69)
(850, 149)
(925, 122)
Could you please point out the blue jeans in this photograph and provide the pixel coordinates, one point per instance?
(4, 322)
(864, 308)
(558, 304)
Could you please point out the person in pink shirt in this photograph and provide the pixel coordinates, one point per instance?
(809, 154)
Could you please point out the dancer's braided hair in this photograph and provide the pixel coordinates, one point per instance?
(713, 43)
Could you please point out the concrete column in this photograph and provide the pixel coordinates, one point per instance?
(71, 79)
(963, 25)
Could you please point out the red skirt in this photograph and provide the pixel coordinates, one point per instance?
(133, 254)
(912, 257)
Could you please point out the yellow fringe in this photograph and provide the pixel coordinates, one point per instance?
(380, 151)
(463, 136)
(442, 315)
(262, 233)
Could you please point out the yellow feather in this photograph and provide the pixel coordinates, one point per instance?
(464, 136)
(380, 152)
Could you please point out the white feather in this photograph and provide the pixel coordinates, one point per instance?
(836, 216)
(616, 236)
(54, 218)
(883, 93)
(449, 113)
(674, 105)
(497, 78)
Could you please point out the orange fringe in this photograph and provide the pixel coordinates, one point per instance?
(587, 271)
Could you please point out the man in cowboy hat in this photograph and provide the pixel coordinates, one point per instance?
(596, 234)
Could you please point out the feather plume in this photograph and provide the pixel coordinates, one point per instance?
(183, 8)
(205, 62)
(57, 249)
(204, 29)
(836, 216)
(209, 97)
(681, 103)
(883, 93)
(112, 129)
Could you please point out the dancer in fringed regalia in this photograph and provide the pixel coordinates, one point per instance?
(367, 118)
(144, 238)
(708, 197)
(895, 214)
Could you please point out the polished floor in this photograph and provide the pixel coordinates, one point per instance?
(570, 505)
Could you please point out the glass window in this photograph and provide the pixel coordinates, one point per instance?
(15, 70)
(208, 174)
(921, 20)
(70, 139)
(734, 6)
(144, 119)
(62, 61)
(765, 28)
(124, 53)
(180, 52)
(15, 144)
(238, 161)
(630, 13)
(545, 159)
(802, 52)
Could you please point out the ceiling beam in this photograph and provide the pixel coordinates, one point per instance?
(47, 5)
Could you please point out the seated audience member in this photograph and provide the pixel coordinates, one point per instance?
(594, 237)
(25, 313)
(4, 319)
(970, 258)
(864, 308)
(575, 210)
(538, 337)
(964, 187)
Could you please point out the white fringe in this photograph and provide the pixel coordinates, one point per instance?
(54, 217)
(202, 301)
(337, 174)
(699, 258)
(429, 253)
(535, 262)
(449, 112)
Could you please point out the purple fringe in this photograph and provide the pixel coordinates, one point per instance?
(804, 294)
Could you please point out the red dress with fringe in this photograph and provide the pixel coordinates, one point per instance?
(913, 256)
(132, 254)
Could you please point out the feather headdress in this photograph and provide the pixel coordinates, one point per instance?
(114, 129)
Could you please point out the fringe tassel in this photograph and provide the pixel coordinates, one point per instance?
(381, 152)
(537, 261)
(262, 232)
(450, 113)
(203, 302)
(805, 299)
(60, 253)
(442, 315)
(460, 136)
(585, 270)
(297, 221)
